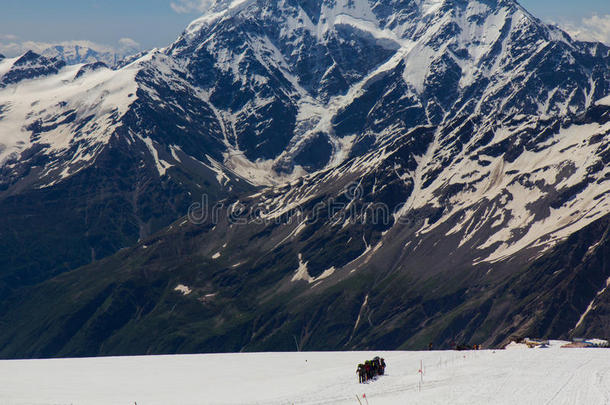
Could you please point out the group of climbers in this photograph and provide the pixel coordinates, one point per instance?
(370, 369)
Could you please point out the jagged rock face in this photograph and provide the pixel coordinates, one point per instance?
(442, 146)
(29, 66)
(375, 69)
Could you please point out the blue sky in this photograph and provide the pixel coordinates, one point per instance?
(568, 9)
(156, 23)
(149, 22)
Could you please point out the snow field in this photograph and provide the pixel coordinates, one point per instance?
(531, 376)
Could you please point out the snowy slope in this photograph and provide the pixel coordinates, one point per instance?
(558, 376)
(62, 102)
(86, 142)
(69, 117)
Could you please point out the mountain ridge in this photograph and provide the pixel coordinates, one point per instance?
(442, 147)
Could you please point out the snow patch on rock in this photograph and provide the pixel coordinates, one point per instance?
(185, 290)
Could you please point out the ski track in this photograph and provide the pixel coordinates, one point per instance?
(530, 376)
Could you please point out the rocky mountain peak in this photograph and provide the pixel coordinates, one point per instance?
(29, 66)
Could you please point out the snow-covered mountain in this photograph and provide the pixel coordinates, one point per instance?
(83, 169)
(76, 53)
(478, 133)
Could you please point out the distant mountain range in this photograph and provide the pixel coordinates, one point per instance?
(75, 54)
(358, 174)
(84, 52)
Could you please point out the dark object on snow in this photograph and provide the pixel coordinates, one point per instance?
(370, 369)
(361, 373)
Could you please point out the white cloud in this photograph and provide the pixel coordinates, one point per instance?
(9, 45)
(8, 37)
(191, 6)
(128, 43)
(594, 28)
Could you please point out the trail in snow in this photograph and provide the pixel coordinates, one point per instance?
(536, 376)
